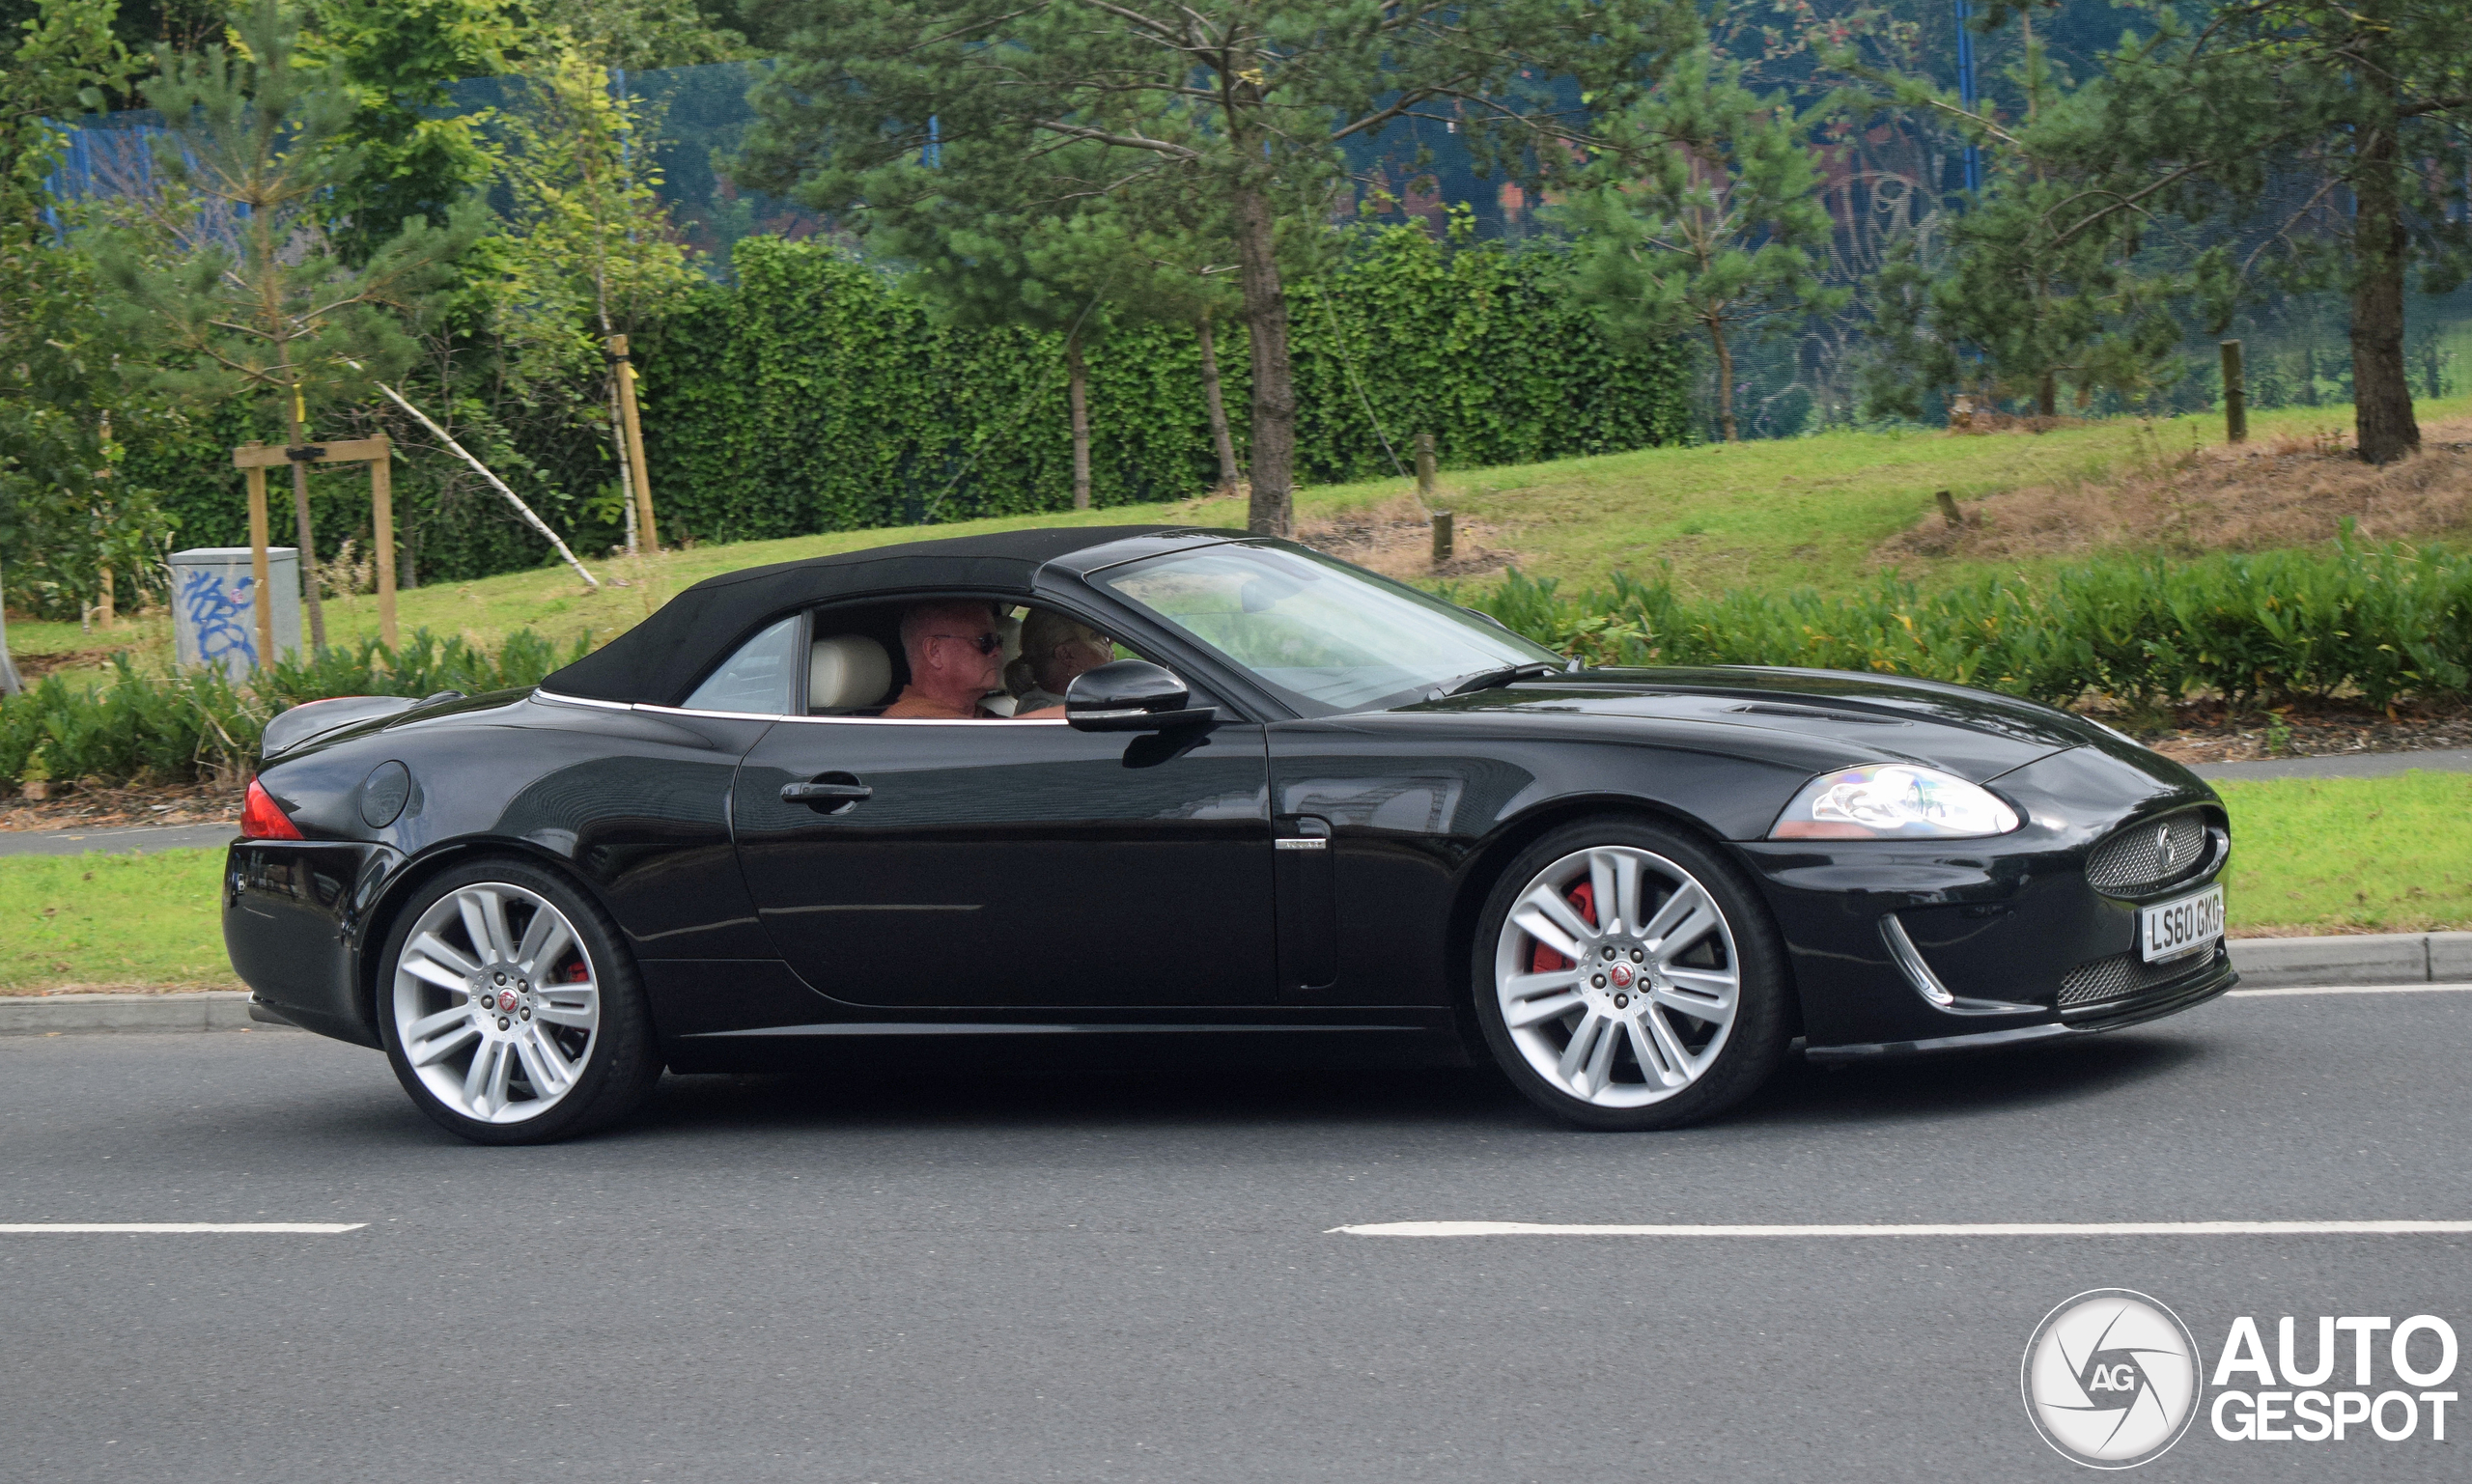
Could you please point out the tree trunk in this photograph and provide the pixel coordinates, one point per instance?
(1724, 378)
(1077, 379)
(301, 524)
(1273, 508)
(2047, 396)
(2382, 382)
(1229, 476)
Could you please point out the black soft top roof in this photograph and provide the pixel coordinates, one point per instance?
(658, 661)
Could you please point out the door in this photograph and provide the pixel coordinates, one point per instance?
(1012, 863)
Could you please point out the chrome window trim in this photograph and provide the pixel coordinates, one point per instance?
(546, 694)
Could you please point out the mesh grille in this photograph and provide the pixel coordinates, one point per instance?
(2148, 854)
(2126, 975)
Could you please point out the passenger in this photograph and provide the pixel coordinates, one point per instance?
(1055, 649)
(956, 661)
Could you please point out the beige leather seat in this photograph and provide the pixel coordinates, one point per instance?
(847, 672)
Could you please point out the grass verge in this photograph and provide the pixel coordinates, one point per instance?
(2314, 856)
(2350, 855)
(112, 922)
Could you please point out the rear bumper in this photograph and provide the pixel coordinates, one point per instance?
(292, 912)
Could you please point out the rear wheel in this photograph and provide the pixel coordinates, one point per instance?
(1627, 977)
(509, 1009)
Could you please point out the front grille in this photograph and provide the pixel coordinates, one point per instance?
(2153, 852)
(2128, 976)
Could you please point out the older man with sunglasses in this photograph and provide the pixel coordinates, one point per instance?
(956, 659)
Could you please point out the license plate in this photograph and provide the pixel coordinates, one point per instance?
(2167, 930)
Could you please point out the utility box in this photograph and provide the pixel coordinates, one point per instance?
(215, 606)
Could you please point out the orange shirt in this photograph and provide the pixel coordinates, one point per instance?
(912, 706)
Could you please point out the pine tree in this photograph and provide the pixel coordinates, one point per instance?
(1258, 98)
(1703, 211)
(235, 269)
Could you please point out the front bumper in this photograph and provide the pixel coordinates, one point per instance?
(1902, 948)
(2217, 977)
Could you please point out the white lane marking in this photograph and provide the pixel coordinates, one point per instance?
(266, 1228)
(2352, 989)
(1942, 1229)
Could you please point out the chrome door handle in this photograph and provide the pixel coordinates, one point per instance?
(826, 795)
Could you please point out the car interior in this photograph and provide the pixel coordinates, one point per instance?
(855, 665)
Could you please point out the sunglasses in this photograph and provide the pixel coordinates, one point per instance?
(984, 643)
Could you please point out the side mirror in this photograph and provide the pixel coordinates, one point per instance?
(1130, 695)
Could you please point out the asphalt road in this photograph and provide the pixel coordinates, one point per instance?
(1131, 1277)
(118, 840)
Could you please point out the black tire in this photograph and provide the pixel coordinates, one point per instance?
(609, 1066)
(1647, 1063)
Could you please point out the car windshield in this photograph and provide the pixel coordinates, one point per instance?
(1324, 635)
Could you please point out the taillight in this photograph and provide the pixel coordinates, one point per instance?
(263, 819)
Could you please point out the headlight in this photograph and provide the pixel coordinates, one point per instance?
(1893, 801)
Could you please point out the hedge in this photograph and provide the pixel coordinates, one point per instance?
(813, 395)
(2378, 623)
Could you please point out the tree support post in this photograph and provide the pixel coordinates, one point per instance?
(381, 510)
(255, 459)
(625, 368)
(2236, 395)
(1424, 467)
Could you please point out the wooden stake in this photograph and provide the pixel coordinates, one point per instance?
(1442, 537)
(262, 600)
(635, 442)
(2235, 395)
(382, 504)
(1424, 467)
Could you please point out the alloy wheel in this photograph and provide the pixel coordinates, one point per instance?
(496, 1003)
(1618, 976)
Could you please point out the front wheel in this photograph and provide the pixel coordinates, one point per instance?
(1626, 977)
(510, 1010)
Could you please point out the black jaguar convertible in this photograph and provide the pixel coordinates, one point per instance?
(1281, 810)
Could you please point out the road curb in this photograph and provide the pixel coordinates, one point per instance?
(52, 1015)
(2363, 959)
(2264, 964)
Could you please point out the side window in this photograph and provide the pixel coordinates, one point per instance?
(757, 679)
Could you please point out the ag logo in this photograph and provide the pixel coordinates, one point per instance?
(2111, 1379)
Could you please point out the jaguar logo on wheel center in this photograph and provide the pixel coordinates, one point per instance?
(2111, 1379)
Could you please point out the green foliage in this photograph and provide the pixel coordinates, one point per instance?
(197, 723)
(1492, 351)
(2381, 622)
(410, 157)
(65, 506)
(1702, 211)
(811, 395)
(1254, 100)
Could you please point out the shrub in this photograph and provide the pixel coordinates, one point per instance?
(192, 724)
(2376, 622)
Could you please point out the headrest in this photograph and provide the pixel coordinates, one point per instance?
(847, 671)
(1009, 629)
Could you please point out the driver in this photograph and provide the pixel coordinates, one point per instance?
(956, 661)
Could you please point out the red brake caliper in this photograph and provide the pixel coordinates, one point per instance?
(1583, 899)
